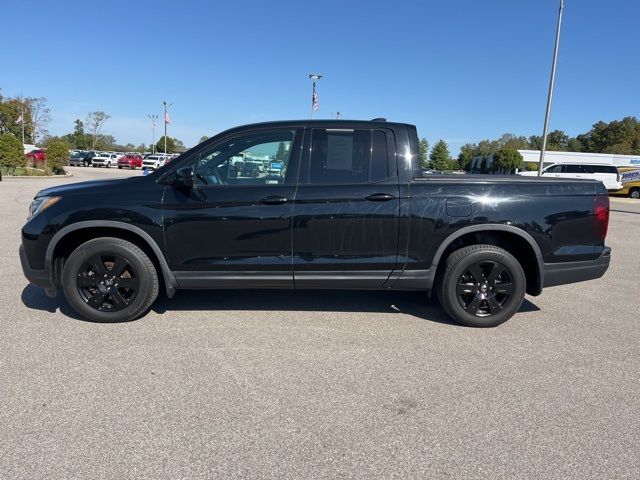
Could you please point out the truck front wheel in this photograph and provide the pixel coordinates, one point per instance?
(482, 286)
(109, 280)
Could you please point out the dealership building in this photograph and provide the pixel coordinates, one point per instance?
(551, 157)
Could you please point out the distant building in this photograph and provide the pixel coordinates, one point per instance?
(551, 157)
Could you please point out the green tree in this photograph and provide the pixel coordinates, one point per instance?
(141, 148)
(440, 155)
(203, 138)
(574, 145)
(57, 156)
(170, 145)
(105, 142)
(423, 153)
(618, 137)
(178, 143)
(531, 167)
(11, 152)
(79, 138)
(10, 111)
(509, 140)
(535, 142)
(467, 152)
(507, 160)
(557, 140)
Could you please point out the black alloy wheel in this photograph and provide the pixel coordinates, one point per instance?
(484, 288)
(110, 279)
(481, 285)
(107, 283)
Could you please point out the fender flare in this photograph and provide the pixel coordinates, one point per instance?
(492, 227)
(167, 273)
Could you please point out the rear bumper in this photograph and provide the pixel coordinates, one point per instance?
(39, 278)
(570, 272)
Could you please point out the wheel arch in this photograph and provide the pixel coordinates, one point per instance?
(73, 235)
(513, 239)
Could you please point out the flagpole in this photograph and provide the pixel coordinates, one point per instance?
(545, 129)
(315, 77)
(22, 120)
(165, 126)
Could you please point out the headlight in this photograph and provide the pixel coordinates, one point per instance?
(40, 204)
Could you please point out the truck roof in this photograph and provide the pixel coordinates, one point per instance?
(322, 123)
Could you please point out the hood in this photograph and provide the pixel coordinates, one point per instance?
(91, 186)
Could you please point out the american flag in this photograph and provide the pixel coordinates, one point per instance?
(314, 97)
(166, 118)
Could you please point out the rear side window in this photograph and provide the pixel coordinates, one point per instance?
(572, 169)
(349, 156)
(600, 169)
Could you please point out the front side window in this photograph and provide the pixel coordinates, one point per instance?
(255, 158)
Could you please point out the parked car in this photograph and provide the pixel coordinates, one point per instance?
(104, 160)
(38, 155)
(130, 160)
(153, 162)
(77, 159)
(350, 211)
(630, 179)
(607, 174)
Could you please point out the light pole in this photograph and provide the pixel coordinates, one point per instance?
(314, 96)
(166, 121)
(153, 132)
(550, 95)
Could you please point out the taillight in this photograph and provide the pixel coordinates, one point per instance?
(601, 215)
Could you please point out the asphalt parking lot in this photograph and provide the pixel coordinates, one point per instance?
(241, 384)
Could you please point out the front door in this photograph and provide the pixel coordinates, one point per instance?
(346, 213)
(233, 229)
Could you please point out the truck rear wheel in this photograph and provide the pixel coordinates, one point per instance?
(109, 280)
(482, 286)
(634, 193)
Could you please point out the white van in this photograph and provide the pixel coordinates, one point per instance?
(607, 174)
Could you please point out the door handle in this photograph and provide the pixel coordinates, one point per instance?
(379, 197)
(273, 200)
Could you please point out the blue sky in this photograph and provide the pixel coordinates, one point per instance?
(460, 70)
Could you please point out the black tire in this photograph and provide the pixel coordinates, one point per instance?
(119, 167)
(118, 296)
(482, 286)
(634, 193)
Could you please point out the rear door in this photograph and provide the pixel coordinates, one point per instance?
(346, 213)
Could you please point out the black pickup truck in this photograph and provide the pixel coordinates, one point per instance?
(347, 208)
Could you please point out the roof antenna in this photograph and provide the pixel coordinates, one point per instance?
(379, 119)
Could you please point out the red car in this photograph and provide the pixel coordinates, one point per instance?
(37, 156)
(130, 160)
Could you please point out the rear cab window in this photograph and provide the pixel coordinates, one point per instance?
(351, 156)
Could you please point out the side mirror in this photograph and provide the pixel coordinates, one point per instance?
(184, 178)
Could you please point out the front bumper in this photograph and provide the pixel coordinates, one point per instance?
(39, 278)
(562, 273)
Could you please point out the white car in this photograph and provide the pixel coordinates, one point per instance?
(607, 174)
(153, 162)
(105, 160)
